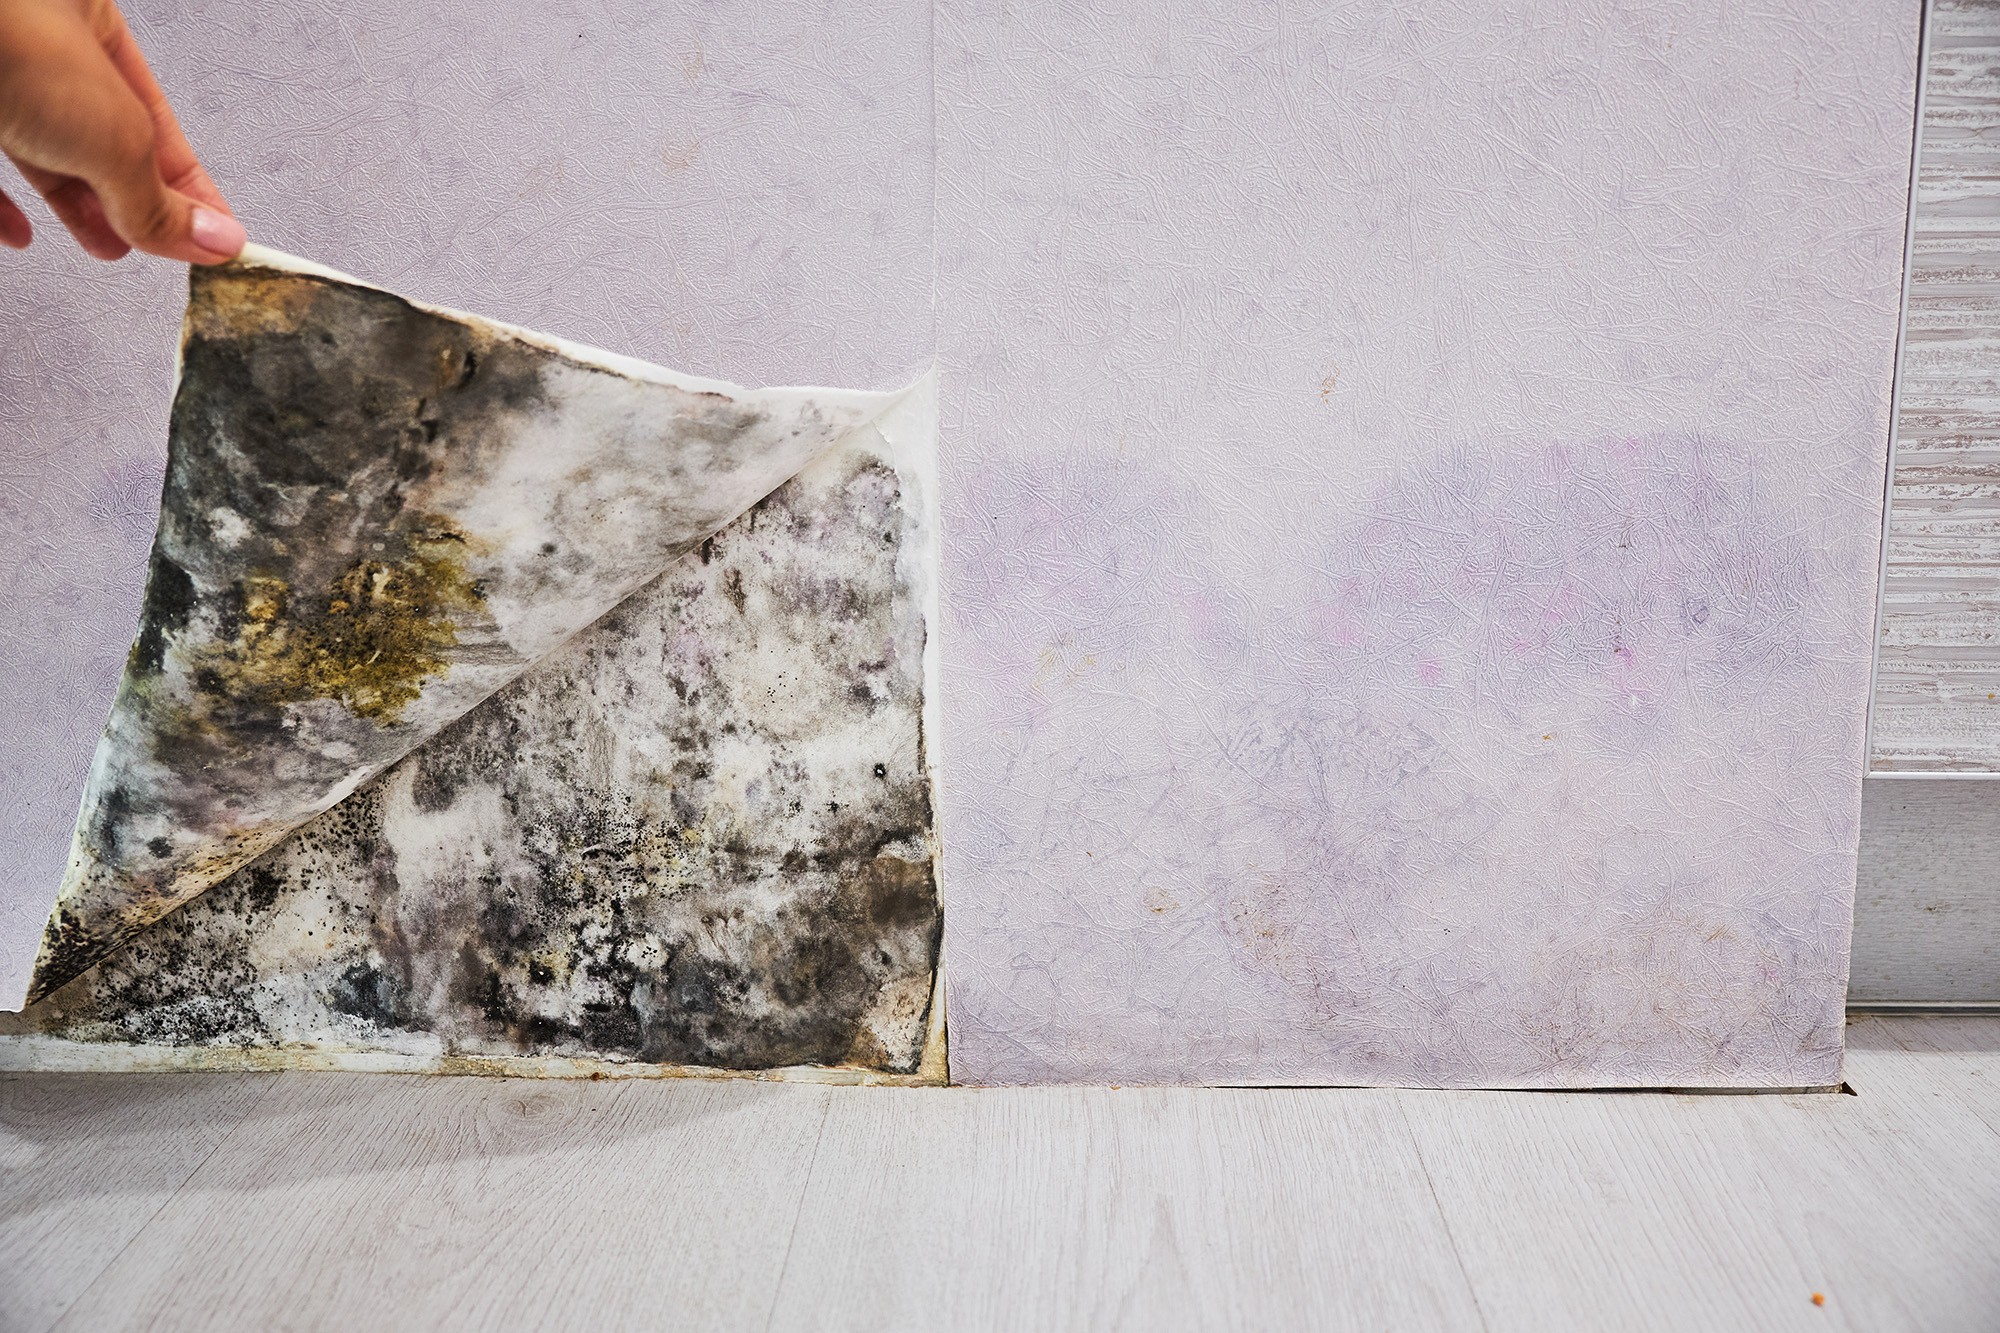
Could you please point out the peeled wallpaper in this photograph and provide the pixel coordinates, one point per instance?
(1410, 492)
(648, 654)
(742, 190)
(377, 513)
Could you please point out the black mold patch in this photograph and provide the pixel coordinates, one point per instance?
(700, 834)
(170, 599)
(366, 992)
(310, 586)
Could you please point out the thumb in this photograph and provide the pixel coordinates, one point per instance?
(151, 217)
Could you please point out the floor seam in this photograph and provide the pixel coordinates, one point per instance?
(812, 1162)
(165, 1203)
(1444, 1219)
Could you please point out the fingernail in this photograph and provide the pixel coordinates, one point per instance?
(218, 233)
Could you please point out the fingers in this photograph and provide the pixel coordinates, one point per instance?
(148, 216)
(172, 153)
(15, 232)
(87, 124)
(75, 205)
(150, 198)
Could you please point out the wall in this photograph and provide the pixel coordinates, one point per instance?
(1413, 484)
(1412, 477)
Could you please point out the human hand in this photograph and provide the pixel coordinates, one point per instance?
(86, 123)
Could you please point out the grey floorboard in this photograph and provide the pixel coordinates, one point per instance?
(408, 1202)
(341, 1201)
(1065, 1208)
(1644, 1211)
(86, 1160)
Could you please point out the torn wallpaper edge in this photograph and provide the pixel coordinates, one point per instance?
(911, 428)
(262, 256)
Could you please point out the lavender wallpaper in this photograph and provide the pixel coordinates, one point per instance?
(1411, 475)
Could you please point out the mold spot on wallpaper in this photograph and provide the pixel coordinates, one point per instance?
(375, 514)
(701, 833)
(170, 599)
(370, 640)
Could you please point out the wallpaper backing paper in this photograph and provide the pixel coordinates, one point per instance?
(697, 834)
(376, 514)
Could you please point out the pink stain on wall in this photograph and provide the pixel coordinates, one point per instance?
(1486, 718)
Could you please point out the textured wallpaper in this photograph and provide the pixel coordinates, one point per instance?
(741, 191)
(1412, 484)
(1411, 474)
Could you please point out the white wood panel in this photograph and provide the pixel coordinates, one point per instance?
(86, 1160)
(1047, 1208)
(1904, 1047)
(1896, 1195)
(1648, 1211)
(1606, 1211)
(390, 1203)
(1927, 893)
(1937, 684)
(385, 1201)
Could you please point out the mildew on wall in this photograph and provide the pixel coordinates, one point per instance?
(375, 514)
(701, 833)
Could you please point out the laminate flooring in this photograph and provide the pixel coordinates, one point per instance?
(357, 1201)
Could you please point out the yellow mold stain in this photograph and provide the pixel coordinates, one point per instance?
(371, 640)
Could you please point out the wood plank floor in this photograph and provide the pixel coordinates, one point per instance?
(342, 1201)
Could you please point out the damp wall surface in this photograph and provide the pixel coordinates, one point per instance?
(1412, 477)
(736, 190)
